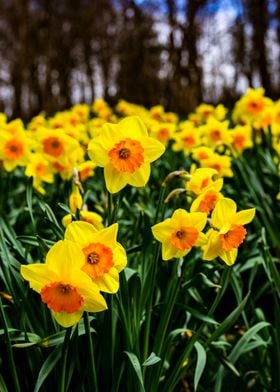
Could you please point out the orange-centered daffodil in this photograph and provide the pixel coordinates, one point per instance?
(228, 232)
(63, 286)
(180, 233)
(125, 151)
(104, 257)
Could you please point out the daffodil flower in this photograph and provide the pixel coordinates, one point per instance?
(125, 151)
(63, 286)
(104, 257)
(228, 232)
(180, 233)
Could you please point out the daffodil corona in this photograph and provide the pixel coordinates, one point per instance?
(125, 151)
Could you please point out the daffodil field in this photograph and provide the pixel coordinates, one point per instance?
(140, 249)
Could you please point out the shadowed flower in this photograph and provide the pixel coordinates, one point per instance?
(125, 151)
(63, 286)
(104, 257)
(180, 233)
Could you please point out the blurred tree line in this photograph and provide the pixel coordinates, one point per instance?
(55, 53)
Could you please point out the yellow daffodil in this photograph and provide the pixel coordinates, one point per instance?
(227, 232)
(208, 198)
(200, 179)
(241, 136)
(104, 257)
(215, 132)
(39, 168)
(250, 106)
(86, 170)
(180, 233)
(125, 151)
(14, 149)
(62, 284)
(187, 138)
(162, 131)
(221, 163)
(201, 153)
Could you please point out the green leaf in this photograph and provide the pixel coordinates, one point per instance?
(200, 363)
(48, 366)
(129, 272)
(208, 282)
(3, 387)
(29, 192)
(229, 321)
(241, 345)
(199, 315)
(52, 340)
(11, 236)
(137, 368)
(151, 360)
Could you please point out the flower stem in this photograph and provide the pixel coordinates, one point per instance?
(93, 378)
(152, 278)
(64, 359)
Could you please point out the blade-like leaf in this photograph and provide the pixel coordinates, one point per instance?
(137, 368)
(200, 363)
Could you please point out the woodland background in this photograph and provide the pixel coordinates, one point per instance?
(55, 53)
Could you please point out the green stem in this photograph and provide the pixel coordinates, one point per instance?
(9, 350)
(93, 378)
(152, 278)
(65, 349)
(113, 208)
(160, 202)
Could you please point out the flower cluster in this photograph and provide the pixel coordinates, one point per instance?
(49, 147)
(180, 233)
(76, 269)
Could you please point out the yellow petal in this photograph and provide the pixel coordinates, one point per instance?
(161, 231)
(168, 251)
(229, 257)
(114, 179)
(201, 240)
(108, 236)
(120, 258)
(63, 257)
(213, 247)
(198, 220)
(109, 282)
(97, 153)
(38, 275)
(133, 127)
(80, 232)
(223, 212)
(153, 149)
(94, 301)
(67, 319)
(141, 176)
(180, 218)
(244, 217)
